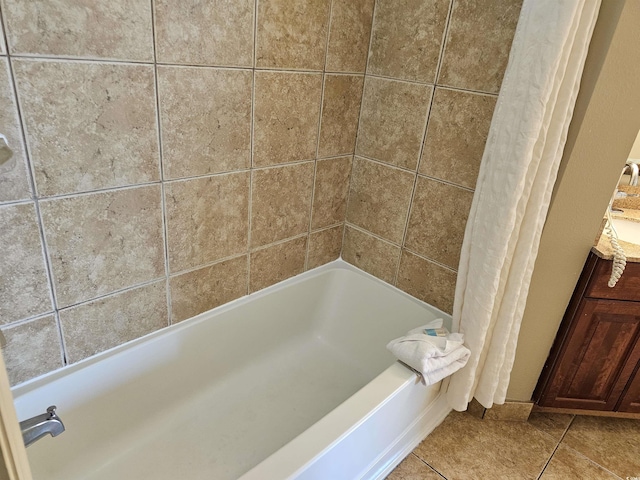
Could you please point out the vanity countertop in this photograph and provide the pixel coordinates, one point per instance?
(629, 210)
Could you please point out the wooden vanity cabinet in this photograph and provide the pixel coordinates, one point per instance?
(594, 362)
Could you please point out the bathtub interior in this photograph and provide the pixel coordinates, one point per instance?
(218, 394)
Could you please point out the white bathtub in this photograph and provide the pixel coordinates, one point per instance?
(291, 382)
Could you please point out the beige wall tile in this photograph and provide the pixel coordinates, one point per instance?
(218, 32)
(102, 242)
(412, 468)
(427, 281)
(370, 254)
(14, 182)
(205, 116)
(478, 43)
(407, 38)
(392, 121)
(286, 112)
(349, 35)
(201, 290)
(277, 263)
(292, 34)
(118, 29)
(33, 349)
(324, 246)
(379, 198)
(207, 219)
(438, 217)
(458, 127)
(340, 113)
(111, 321)
(331, 190)
(24, 287)
(89, 126)
(280, 202)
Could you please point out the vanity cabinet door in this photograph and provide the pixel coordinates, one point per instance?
(630, 401)
(596, 361)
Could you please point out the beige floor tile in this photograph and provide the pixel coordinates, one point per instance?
(464, 447)
(412, 468)
(554, 424)
(567, 463)
(613, 443)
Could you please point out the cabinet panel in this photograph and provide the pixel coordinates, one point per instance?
(630, 401)
(590, 372)
(627, 288)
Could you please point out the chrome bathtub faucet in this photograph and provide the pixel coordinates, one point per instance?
(33, 429)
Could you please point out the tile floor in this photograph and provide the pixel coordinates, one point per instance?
(547, 447)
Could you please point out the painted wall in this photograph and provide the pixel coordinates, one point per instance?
(170, 158)
(605, 124)
(433, 75)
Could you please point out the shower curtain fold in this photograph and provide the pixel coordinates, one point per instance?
(519, 168)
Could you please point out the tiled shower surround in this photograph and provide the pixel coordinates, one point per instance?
(175, 155)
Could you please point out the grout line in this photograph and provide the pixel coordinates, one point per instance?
(252, 141)
(44, 247)
(555, 449)
(328, 227)
(430, 260)
(163, 206)
(445, 39)
(63, 343)
(319, 129)
(207, 264)
(62, 196)
(23, 321)
(422, 144)
(371, 234)
(279, 242)
(430, 467)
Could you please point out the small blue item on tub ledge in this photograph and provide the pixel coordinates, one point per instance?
(432, 351)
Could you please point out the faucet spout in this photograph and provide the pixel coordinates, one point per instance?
(632, 167)
(33, 429)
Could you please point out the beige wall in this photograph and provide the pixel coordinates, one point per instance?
(168, 168)
(605, 124)
(431, 84)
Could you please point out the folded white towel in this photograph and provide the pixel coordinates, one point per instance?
(434, 357)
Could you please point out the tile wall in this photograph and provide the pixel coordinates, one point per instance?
(432, 79)
(171, 156)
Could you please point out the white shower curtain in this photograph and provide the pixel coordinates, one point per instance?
(519, 167)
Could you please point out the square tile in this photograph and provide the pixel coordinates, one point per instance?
(407, 38)
(349, 35)
(118, 29)
(464, 447)
(216, 32)
(567, 463)
(340, 113)
(392, 121)
(89, 126)
(207, 219)
(554, 424)
(324, 246)
(287, 106)
(610, 442)
(458, 128)
(33, 349)
(205, 117)
(379, 198)
(292, 35)
(438, 219)
(276, 263)
(280, 202)
(427, 281)
(412, 468)
(24, 286)
(14, 180)
(97, 326)
(370, 254)
(509, 412)
(478, 44)
(103, 242)
(331, 191)
(200, 290)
